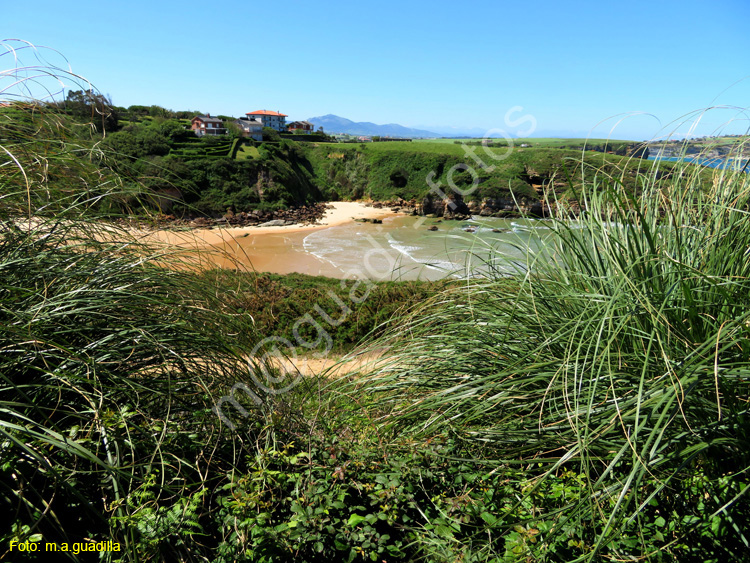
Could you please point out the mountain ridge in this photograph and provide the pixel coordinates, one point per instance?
(336, 124)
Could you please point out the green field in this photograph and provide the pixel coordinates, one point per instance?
(424, 146)
(460, 147)
(246, 151)
(536, 141)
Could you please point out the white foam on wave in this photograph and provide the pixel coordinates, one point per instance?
(407, 252)
(411, 253)
(518, 228)
(323, 246)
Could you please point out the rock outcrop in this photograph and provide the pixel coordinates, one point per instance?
(454, 207)
(308, 214)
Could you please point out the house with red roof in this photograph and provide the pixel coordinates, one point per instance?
(301, 127)
(207, 125)
(272, 119)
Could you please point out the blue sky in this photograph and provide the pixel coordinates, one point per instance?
(435, 65)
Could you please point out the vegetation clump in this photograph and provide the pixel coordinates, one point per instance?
(593, 407)
(617, 362)
(189, 176)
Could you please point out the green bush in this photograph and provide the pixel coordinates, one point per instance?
(271, 304)
(619, 353)
(110, 364)
(316, 498)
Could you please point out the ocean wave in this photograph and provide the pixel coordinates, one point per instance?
(411, 251)
(323, 246)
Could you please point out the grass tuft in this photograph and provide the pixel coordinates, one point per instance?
(621, 355)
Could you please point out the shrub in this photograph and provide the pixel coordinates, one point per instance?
(619, 353)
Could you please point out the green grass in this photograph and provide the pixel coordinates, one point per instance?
(623, 360)
(422, 146)
(594, 407)
(270, 304)
(550, 142)
(109, 362)
(246, 152)
(724, 140)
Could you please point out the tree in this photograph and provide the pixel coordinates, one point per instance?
(270, 134)
(158, 111)
(138, 110)
(94, 107)
(233, 130)
(174, 131)
(138, 142)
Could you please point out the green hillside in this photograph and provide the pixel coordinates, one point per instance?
(593, 409)
(386, 171)
(188, 175)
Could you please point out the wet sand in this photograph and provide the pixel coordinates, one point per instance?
(278, 250)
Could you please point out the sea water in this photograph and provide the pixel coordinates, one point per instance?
(404, 248)
(730, 164)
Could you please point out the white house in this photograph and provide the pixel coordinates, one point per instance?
(252, 128)
(272, 119)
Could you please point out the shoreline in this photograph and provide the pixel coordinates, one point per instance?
(274, 249)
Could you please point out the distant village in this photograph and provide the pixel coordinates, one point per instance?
(251, 125)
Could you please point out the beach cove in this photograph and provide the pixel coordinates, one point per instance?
(344, 245)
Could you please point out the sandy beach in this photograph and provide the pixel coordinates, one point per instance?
(276, 249)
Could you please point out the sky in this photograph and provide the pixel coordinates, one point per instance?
(627, 70)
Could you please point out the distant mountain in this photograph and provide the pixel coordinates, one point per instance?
(335, 124)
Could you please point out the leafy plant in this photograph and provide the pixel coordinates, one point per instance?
(109, 361)
(619, 352)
